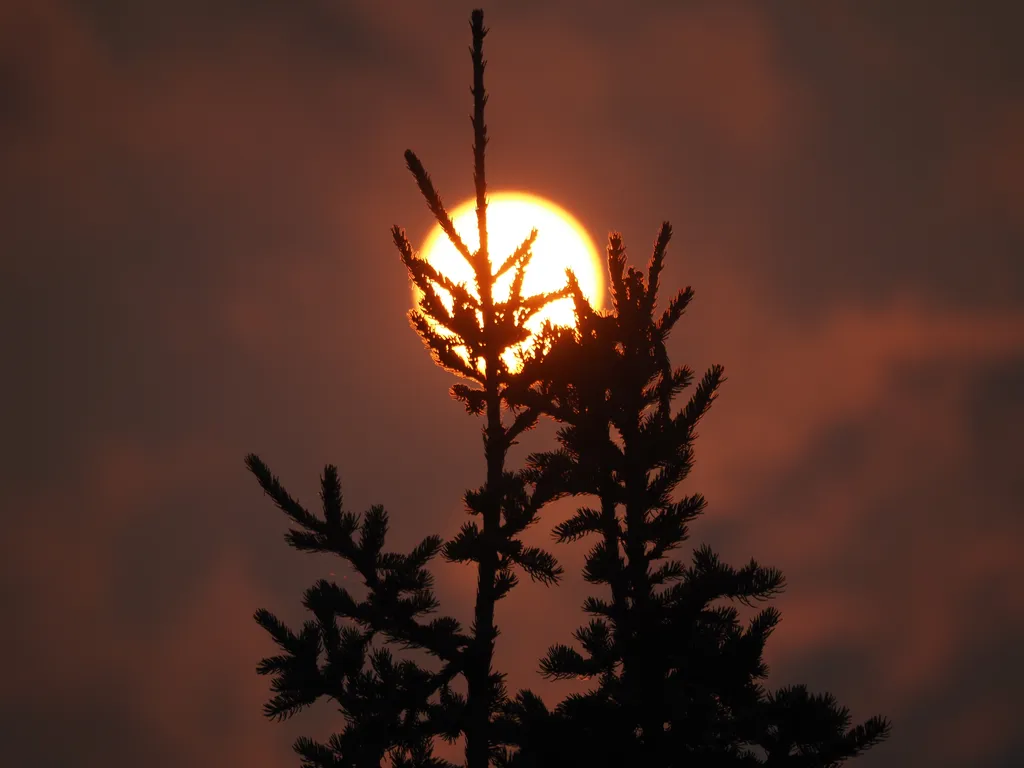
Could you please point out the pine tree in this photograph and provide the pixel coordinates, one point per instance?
(395, 709)
(679, 675)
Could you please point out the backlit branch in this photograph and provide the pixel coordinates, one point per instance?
(435, 204)
(521, 254)
(480, 141)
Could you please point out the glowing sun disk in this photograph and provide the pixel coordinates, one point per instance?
(561, 243)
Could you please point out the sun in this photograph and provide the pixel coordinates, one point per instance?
(561, 243)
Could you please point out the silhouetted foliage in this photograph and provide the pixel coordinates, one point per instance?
(677, 673)
(396, 709)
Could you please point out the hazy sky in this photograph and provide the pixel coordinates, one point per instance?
(195, 200)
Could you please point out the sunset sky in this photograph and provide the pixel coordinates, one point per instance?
(195, 203)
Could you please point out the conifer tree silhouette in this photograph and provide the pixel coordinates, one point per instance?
(395, 710)
(679, 676)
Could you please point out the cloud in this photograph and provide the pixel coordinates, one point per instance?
(790, 377)
(196, 201)
(889, 506)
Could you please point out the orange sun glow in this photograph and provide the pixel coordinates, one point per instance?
(561, 243)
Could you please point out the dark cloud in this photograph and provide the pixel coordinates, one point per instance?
(897, 528)
(194, 210)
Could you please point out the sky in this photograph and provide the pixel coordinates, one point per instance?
(195, 203)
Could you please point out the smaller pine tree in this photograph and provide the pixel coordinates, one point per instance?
(679, 676)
